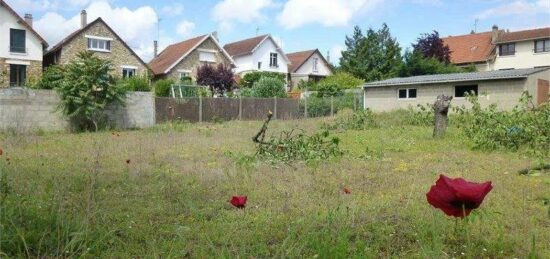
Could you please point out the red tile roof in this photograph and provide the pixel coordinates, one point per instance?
(173, 53)
(244, 47)
(515, 36)
(297, 59)
(24, 23)
(470, 48)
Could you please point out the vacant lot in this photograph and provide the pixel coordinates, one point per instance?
(164, 192)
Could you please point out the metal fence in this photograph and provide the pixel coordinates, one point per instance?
(199, 109)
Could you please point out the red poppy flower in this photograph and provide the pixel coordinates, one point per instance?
(346, 191)
(457, 197)
(238, 201)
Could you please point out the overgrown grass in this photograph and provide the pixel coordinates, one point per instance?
(71, 195)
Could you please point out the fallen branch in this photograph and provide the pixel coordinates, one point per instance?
(260, 136)
(536, 168)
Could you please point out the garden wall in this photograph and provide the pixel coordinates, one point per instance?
(25, 109)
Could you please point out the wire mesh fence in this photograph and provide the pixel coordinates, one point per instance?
(199, 109)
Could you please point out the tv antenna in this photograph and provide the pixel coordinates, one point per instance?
(475, 24)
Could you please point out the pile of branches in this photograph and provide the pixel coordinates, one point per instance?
(295, 145)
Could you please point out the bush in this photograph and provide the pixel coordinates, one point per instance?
(327, 89)
(320, 106)
(135, 84)
(347, 119)
(162, 87)
(251, 78)
(268, 87)
(220, 79)
(51, 78)
(343, 81)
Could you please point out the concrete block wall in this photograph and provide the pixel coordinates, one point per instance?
(27, 110)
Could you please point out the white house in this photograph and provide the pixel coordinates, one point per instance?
(260, 53)
(307, 65)
(21, 48)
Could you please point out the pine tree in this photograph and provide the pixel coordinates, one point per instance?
(350, 60)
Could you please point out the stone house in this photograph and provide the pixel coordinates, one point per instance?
(499, 49)
(307, 65)
(99, 38)
(502, 87)
(21, 49)
(181, 60)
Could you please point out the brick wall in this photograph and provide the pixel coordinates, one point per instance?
(24, 110)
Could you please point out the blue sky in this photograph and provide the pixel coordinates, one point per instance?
(298, 24)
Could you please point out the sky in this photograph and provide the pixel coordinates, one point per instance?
(296, 24)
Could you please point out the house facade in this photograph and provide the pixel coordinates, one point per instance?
(502, 87)
(307, 65)
(499, 49)
(181, 60)
(260, 53)
(99, 38)
(21, 49)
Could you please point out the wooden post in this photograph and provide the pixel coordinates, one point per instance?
(441, 110)
(275, 107)
(240, 108)
(172, 91)
(305, 107)
(200, 108)
(181, 94)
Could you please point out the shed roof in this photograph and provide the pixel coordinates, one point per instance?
(457, 77)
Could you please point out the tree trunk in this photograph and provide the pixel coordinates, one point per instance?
(441, 110)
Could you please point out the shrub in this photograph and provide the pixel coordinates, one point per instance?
(320, 106)
(326, 89)
(220, 79)
(135, 84)
(343, 81)
(87, 89)
(162, 87)
(307, 85)
(268, 87)
(51, 78)
(347, 119)
(251, 78)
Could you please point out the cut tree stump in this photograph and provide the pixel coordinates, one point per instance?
(441, 110)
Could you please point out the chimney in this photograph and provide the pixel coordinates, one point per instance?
(156, 49)
(215, 35)
(494, 37)
(28, 19)
(83, 19)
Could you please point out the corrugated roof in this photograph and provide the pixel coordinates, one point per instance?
(457, 77)
(515, 36)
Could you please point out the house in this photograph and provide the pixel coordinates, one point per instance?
(21, 48)
(181, 60)
(104, 42)
(523, 49)
(499, 49)
(261, 53)
(307, 65)
(503, 87)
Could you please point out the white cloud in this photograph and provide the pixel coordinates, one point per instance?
(185, 28)
(227, 12)
(174, 9)
(329, 13)
(136, 27)
(517, 8)
(29, 6)
(336, 54)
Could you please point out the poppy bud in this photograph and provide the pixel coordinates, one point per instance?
(347, 191)
(238, 201)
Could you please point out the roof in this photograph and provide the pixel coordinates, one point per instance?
(173, 54)
(457, 77)
(470, 48)
(24, 23)
(244, 47)
(71, 36)
(297, 59)
(524, 35)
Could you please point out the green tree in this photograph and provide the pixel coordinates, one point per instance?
(343, 80)
(87, 89)
(51, 78)
(268, 87)
(415, 64)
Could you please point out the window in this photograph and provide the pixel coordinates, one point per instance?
(97, 44)
(17, 41)
(542, 46)
(207, 56)
(463, 90)
(18, 75)
(409, 93)
(259, 65)
(507, 49)
(128, 72)
(273, 60)
(315, 62)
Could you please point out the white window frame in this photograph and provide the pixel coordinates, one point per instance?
(98, 41)
(315, 65)
(271, 59)
(129, 68)
(407, 90)
(203, 53)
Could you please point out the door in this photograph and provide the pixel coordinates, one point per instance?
(542, 91)
(18, 75)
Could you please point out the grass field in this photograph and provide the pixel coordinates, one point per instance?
(164, 192)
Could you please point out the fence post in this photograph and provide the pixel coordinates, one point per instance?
(200, 108)
(305, 106)
(181, 94)
(172, 91)
(240, 108)
(331, 105)
(275, 107)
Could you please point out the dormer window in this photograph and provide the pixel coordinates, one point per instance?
(273, 60)
(508, 49)
(315, 64)
(17, 41)
(100, 44)
(542, 46)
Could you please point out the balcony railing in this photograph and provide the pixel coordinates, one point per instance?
(19, 50)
